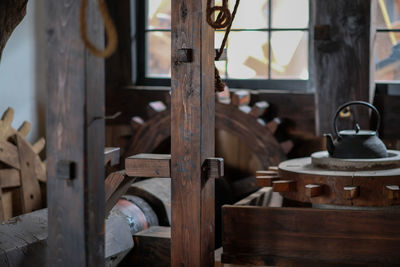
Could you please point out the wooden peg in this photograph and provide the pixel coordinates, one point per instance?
(259, 108)
(351, 191)
(245, 109)
(393, 191)
(284, 186)
(313, 190)
(241, 97)
(214, 168)
(8, 116)
(266, 173)
(263, 181)
(39, 145)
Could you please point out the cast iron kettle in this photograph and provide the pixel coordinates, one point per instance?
(356, 144)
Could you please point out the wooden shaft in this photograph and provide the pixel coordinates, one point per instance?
(192, 135)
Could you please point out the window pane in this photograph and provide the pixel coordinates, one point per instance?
(221, 65)
(248, 55)
(289, 53)
(159, 54)
(158, 14)
(289, 14)
(388, 14)
(251, 14)
(387, 57)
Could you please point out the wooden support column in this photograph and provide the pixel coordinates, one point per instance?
(343, 56)
(192, 134)
(75, 134)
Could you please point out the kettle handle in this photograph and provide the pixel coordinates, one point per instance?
(363, 103)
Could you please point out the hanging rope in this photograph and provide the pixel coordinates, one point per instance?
(112, 37)
(224, 19)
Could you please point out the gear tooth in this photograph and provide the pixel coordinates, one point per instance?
(241, 97)
(24, 128)
(273, 125)
(259, 109)
(136, 122)
(39, 145)
(287, 146)
(8, 116)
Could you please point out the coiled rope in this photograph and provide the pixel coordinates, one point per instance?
(112, 37)
(224, 19)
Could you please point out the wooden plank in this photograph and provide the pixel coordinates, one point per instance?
(148, 165)
(9, 154)
(152, 247)
(192, 135)
(343, 65)
(310, 234)
(75, 124)
(30, 190)
(9, 178)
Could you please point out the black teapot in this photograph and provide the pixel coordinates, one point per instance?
(356, 143)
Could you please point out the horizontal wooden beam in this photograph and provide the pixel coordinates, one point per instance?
(111, 155)
(159, 165)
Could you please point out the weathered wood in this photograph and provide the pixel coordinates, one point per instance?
(111, 155)
(214, 168)
(75, 124)
(23, 240)
(9, 154)
(192, 136)
(284, 186)
(148, 165)
(30, 190)
(152, 247)
(310, 235)
(116, 184)
(11, 14)
(241, 97)
(9, 178)
(343, 64)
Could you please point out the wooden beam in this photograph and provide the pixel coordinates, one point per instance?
(342, 57)
(75, 125)
(192, 135)
(148, 165)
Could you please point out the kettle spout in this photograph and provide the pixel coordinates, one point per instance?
(329, 144)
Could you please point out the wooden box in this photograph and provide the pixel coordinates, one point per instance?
(256, 232)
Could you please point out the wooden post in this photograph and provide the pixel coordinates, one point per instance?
(192, 134)
(75, 134)
(342, 59)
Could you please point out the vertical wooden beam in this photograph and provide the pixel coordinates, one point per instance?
(343, 56)
(75, 134)
(192, 135)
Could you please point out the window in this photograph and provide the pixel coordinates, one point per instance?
(267, 48)
(387, 46)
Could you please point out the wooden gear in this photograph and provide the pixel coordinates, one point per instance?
(21, 169)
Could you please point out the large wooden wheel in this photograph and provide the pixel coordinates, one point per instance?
(257, 135)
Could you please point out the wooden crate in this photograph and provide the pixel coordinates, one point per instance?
(256, 233)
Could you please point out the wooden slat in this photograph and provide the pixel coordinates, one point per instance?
(9, 178)
(343, 63)
(75, 126)
(9, 154)
(334, 236)
(30, 189)
(192, 136)
(148, 165)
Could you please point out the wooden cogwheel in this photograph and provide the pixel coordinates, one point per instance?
(233, 115)
(21, 169)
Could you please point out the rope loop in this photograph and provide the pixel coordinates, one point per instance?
(224, 17)
(112, 36)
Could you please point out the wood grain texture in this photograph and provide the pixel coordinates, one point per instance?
(30, 190)
(148, 165)
(75, 125)
(310, 235)
(192, 136)
(342, 63)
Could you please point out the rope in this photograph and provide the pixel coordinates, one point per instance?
(111, 32)
(224, 19)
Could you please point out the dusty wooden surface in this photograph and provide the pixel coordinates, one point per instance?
(75, 126)
(342, 61)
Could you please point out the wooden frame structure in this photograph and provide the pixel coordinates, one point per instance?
(75, 126)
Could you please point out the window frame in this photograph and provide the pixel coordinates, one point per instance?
(139, 76)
